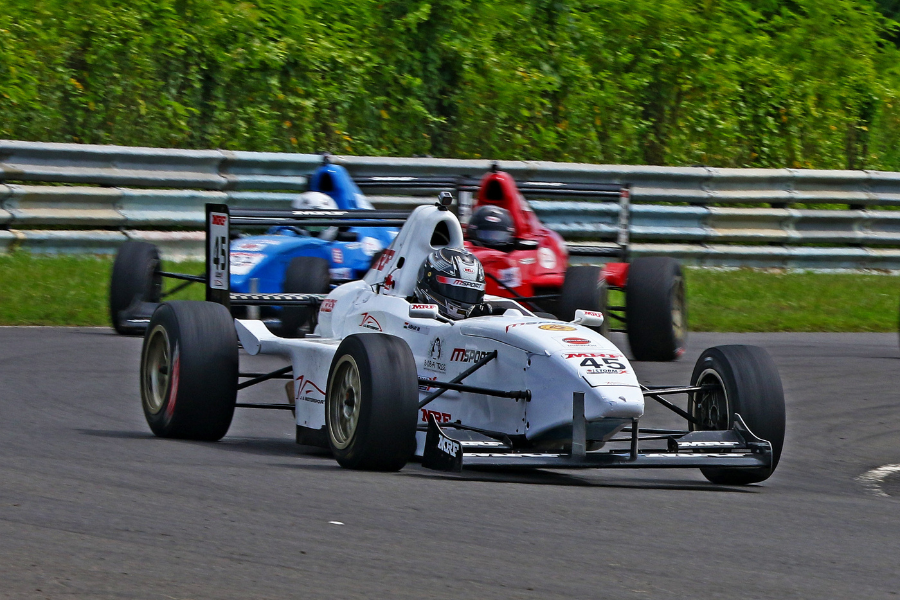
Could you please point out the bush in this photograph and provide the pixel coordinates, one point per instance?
(746, 83)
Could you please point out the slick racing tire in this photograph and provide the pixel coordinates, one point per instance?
(655, 309)
(189, 370)
(305, 275)
(371, 403)
(583, 288)
(744, 380)
(135, 278)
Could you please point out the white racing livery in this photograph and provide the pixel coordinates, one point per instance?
(383, 378)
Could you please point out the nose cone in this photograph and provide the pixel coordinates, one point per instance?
(610, 385)
(611, 390)
(613, 402)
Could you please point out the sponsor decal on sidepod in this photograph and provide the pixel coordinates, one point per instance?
(466, 356)
(309, 391)
(417, 328)
(435, 352)
(369, 322)
(438, 416)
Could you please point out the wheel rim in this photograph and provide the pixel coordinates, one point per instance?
(711, 407)
(678, 320)
(157, 370)
(344, 402)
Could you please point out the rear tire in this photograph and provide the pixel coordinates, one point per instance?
(584, 288)
(305, 275)
(135, 278)
(747, 383)
(655, 309)
(189, 370)
(371, 403)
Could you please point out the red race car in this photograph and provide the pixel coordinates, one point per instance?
(525, 260)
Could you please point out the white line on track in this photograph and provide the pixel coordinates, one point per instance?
(872, 479)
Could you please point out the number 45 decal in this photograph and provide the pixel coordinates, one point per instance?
(220, 259)
(607, 362)
(218, 251)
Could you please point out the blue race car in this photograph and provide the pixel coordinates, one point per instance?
(284, 259)
(306, 260)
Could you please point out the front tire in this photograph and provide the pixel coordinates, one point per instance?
(584, 288)
(655, 309)
(305, 275)
(135, 278)
(745, 380)
(371, 403)
(189, 370)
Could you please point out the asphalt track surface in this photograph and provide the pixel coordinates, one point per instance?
(93, 506)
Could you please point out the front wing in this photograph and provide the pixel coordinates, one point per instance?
(734, 448)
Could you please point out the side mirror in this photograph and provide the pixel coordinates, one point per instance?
(423, 311)
(588, 318)
(526, 244)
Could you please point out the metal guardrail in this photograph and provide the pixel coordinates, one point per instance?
(96, 197)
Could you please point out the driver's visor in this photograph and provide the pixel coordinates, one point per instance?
(461, 290)
(493, 236)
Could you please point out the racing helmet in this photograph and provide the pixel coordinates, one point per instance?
(314, 201)
(491, 226)
(453, 279)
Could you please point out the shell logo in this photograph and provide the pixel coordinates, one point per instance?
(555, 327)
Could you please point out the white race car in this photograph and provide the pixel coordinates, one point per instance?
(384, 378)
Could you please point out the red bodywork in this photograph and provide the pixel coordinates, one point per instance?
(531, 272)
(523, 270)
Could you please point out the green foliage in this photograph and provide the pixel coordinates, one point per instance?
(765, 83)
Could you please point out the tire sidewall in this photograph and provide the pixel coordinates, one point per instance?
(584, 288)
(161, 421)
(134, 277)
(654, 286)
(753, 390)
(351, 454)
(304, 275)
(384, 438)
(202, 388)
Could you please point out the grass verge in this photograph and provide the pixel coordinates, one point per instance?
(63, 290)
(751, 300)
(73, 290)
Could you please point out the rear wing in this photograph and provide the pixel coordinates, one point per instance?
(467, 187)
(220, 220)
(427, 186)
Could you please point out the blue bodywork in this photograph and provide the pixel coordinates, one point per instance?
(266, 257)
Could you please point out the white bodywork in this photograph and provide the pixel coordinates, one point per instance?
(551, 358)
